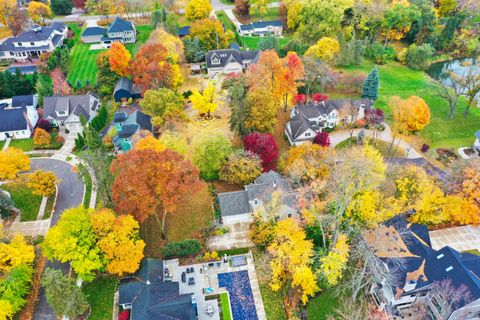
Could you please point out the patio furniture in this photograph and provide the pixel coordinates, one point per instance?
(209, 309)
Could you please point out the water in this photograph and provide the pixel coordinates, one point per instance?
(440, 70)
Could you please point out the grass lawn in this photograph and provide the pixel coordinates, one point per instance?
(381, 146)
(24, 200)
(224, 301)
(2, 143)
(272, 14)
(396, 79)
(23, 144)
(99, 294)
(49, 207)
(88, 188)
(252, 42)
(225, 20)
(322, 305)
(83, 65)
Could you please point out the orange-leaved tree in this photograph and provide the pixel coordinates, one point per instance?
(155, 186)
(294, 73)
(119, 58)
(41, 137)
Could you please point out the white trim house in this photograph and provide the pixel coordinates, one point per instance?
(261, 28)
(18, 118)
(229, 61)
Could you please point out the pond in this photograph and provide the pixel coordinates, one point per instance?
(440, 70)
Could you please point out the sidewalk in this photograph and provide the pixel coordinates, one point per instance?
(7, 143)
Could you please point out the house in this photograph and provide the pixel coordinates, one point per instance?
(261, 28)
(239, 206)
(309, 119)
(18, 119)
(119, 31)
(149, 295)
(33, 42)
(407, 272)
(128, 126)
(71, 111)
(183, 31)
(229, 61)
(93, 34)
(476, 144)
(125, 89)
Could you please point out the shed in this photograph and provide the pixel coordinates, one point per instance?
(125, 89)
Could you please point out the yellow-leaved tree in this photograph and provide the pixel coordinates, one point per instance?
(12, 161)
(41, 137)
(198, 9)
(307, 163)
(291, 262)
(205, 102)
(335, 262)
(149, 142)
(119, 58)
(38, 11)
(15, 252)
(326, 49)
(172, 43)
(42, 183)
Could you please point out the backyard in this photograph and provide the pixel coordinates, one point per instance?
(99, 294)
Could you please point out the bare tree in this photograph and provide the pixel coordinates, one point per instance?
(316, 72)
(349, 111)
(470, 83)
(450, 91)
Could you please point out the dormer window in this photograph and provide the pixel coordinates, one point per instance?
(19, 44)
(215, 61)
(32, 43)
(61, 113)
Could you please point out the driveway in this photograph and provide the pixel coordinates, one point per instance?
(70, 194)
(459, 238)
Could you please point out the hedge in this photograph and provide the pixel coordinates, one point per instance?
(182, 248)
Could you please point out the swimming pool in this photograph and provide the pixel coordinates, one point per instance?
(22, 69)
(241, 296)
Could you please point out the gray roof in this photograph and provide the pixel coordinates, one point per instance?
(68, 104)
(13, 119)
(41, 34)
(230, 55)
(126, 84)
(18, 101)
(94, 31)
(314, 110)
(299, 125)
(233, 203)
(120, 25)
(261, 25)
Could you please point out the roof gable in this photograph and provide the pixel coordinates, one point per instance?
(120, 25)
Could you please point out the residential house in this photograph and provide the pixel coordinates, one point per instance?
(229, 61)
(129, 125)
(407, 272)
(476, 144)
(261, 28)
(120, 31)
(239, 206)
(18, 119)
(125, 89)
(183, 31)
(33, 42)
(70, 111)
(309, 119)
(150, 294)
(93, 34)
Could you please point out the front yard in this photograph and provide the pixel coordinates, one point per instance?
(99, 294)
(24, 200)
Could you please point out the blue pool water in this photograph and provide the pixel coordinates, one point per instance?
(23, 69)
(241, 296)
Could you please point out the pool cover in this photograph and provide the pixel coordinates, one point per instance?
(241, 296)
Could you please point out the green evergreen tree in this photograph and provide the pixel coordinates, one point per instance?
(171, 23)
(44, 87)
(159, 15)
(6, 205)
(370, 85)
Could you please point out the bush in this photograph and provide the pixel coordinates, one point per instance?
(378, 53)
(402, 56)
(425, 148)
(189, 247)
(60, 139)
(419, 57)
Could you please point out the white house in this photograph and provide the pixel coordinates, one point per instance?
(229, 61)
(18, 119)
(33, 42)
(476, 144)
(309, 119)
(239, 206)
(261, 28)
(68, 111)
(120, 31)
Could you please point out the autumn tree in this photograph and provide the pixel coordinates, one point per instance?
(119, 240)
(173, 44)
(261, 111)
(79, 3)
(41, 137)
(293, 77)
(5, 6)
(210, 152)
(119, 58)
(326, 49)
(150, 143)
(237, 92)
(198, 9)
(15, 252)
(205, 102)
(322, 139)
(470, 83)
(106, 78)
(242, 7)
(153, 188)
(318, 75)
(241, 168)
(59, 81)
(307, 163)
(210, 33)
(263, 145)
(43, 183)
(12, 16)
(411, 114)
(259, 7)
(335, 262)
(161, 104)
(291, 258)
(12, 161)
(38, 11)
(398, 20)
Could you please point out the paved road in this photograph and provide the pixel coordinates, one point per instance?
(70, 194)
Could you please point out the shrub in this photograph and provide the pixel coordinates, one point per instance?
(41, 137)
(322, 139)
(182, 248)
(60, 139)
(402, 56)
(419, 57)
(263, 145)
(6, 205)
(44, 124)
(425, 148)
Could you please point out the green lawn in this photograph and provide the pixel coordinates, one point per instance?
(321, 306)
(83, 65)
(226, 312)
(88, 189)
(396, 79)
(49, 207)
(23, 144)
(99, 294)
(381, 146)
(252, 42)
(24, 200)
(225, 20)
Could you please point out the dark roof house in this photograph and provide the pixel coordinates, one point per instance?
(183, 31)
(125, 89)
(261, 28)
(19, 119)
(128, 125)
(120, 25)
(149, 296)
(229, 60)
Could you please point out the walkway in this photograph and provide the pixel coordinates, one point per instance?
(7, 143)
(459, 238)
(237, 237)
(386, 135)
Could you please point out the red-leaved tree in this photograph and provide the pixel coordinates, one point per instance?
(318, 97)
(60, 84)
(300, 98)
(79, 3)
(148, 183)
(322, 139)
(44, 124)
(263, 145)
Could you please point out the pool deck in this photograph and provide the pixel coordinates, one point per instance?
(206, 277)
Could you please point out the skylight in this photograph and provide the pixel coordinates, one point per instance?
(440, 256)
(449, 269)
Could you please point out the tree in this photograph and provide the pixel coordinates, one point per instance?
(59, 81)
(335, 262)
(161, 104)
(326, 49)
(44, 124)
(106, 78)
(73, 240)
(268, 43)
(419, 57)
(450, 91)
(15, 19)
(15, 252)
(79, 4)
(63, 295)
(119, 58)
(150, 143)
(99, 160)
(242, 7)
(210, 33)
(43, 183)
(470, 83)
(43, 87)
(153, 188)
(198, 9)
(237, 92)
(173, 44)
(322, 139)
(41, 137)
(411, 114)
(316, 72)
(307, 163)
(446, 7)
(241, 168)
(261, 113)
(210, 152)
(12, 161)
(13, 289)
(118, 238)
(290, 264)
(61, 7)
(6, 206)
(263, 145)
(171, 23)
(151, 69)
(259, 7)
(370, 85)
(398, 20)
(38, 11)
(205, 102)
(294, 74)
(6, 6)
(194, 51)
(159, 15)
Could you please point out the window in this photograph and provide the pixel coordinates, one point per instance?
(308, 134)
(19, 44)
(215, 61)
(32, 43)
(255, 201)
